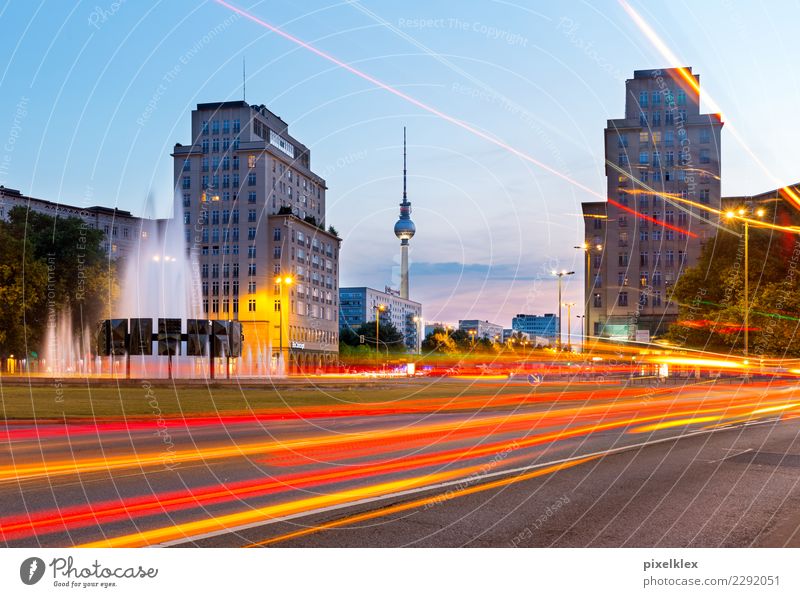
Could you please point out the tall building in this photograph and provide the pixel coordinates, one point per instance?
(663, 171)
(359, 305)
(254, 215)
(404, 229)
(482, 329)
(123, 231)
(543, 326)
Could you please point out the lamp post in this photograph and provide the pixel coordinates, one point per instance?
(472, 334)
(281, 281)
(569, 325)
(583, 336)
(560, 275)
(587, 248)
(378, 310)
(741, 214)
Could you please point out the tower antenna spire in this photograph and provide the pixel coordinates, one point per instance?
(405, 170)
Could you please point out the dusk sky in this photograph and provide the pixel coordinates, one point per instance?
(95, 95)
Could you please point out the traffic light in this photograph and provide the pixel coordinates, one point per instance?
(169, 336)
(141, 341)
(196, 337)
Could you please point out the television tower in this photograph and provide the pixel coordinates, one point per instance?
(404, 229)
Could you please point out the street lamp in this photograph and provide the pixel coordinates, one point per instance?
(472, 333)
(560, 275)
(583, 337)
(587, 248)
(281, 281)
(740, 215)
(569, 325)
(378, 310)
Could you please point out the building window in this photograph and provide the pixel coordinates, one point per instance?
(598, 300)
(187, 165)
(681, 98)
(187, 183)
(251, 305)
(251, 161)
(643, 119)
(276, 253)
(705, 156)
(251, 179)
(622, 299)
(215, 145)
(622, 260)
(251, 252)
(622, 141)
(251, 197)
(623, 159)
(643, 259)
(655, 118)
(204, 129)
(643, 99)
(656, 98)
(251, 234)
(643, 158)
(276, 234)
(251, 215)
(236, 125)
(251, 269)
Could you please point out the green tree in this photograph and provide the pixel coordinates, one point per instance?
(61, 266)
(390, 338)
(711, 301)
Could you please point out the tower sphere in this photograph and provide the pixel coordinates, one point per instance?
(404, 229)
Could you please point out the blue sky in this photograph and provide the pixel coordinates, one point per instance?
(94, 95)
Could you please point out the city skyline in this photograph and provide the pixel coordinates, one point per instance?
(476, 203)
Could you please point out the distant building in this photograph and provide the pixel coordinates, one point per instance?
(483, 329)
(544, 326)
(123, 231)
(662, 171)
(434, 325)
(358, 305)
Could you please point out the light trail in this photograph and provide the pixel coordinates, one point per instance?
(436, 499)
(217, 523)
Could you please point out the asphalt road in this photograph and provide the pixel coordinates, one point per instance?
(602, 470)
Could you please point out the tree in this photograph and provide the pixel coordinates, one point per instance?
(711, 301)
(23, 295)
(389, 339)
(61, 266)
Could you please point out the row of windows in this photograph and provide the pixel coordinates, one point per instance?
(226, 126)
(655, 98)
(655, 138)
(622, 299)
(669, 258)
(214, 145)
(653, 119)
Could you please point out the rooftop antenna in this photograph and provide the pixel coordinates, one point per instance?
(244, 80)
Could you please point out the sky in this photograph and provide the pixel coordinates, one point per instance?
(94, 95)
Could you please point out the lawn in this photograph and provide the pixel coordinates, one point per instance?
(48, 401)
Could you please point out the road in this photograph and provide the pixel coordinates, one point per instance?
(694, 465)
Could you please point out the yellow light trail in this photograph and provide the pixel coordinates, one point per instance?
(228, 521)
(442, 497)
